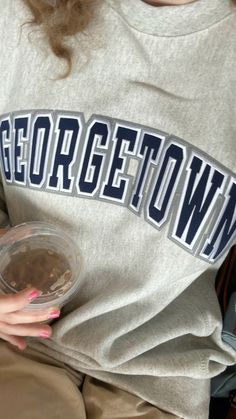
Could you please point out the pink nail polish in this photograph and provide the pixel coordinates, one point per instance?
(34, 294)
(44, 335)
(54, 314)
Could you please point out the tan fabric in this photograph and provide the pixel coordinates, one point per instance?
(34, 386)
(30, 389)
(104, 401)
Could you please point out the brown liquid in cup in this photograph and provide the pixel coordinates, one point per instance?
(44, 269)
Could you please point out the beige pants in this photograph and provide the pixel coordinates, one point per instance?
(34, 386)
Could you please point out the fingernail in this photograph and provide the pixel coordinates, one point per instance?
(44, 335)
(54, 314)
(34, 294)
(22, 348)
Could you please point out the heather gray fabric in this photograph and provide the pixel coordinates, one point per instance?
(149, 194)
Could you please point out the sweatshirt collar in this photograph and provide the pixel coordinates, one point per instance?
(173, 20)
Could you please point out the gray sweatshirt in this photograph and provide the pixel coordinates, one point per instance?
(134, 156)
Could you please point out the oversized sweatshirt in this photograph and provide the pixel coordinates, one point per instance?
(134, 156)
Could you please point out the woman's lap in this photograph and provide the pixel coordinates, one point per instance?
(33, 386)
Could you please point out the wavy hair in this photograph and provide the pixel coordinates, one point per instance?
(59, 19)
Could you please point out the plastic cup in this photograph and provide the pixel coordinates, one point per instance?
(41, 255)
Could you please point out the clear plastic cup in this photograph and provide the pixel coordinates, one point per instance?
(41, 255)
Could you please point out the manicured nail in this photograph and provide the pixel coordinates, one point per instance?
(34, 294)
(44, 335)
(22, 348)
(54, 314)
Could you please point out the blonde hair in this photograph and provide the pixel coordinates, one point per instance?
(59, 19)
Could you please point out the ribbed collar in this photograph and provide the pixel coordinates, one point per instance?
(173, 20)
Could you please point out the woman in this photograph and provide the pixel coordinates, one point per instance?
(134, 143)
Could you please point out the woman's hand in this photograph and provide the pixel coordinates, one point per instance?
(16, 322)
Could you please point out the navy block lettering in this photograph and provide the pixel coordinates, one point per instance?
(91, 171)
(224, 229)
(5, 146)
(20, 131)
(115, 186)
(39, 145)
(65, 147)
(148, 155)
(201, 191)
(165, 184)
(154, 175)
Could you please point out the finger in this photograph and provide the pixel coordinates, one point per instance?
(35, 330)
(15, 302)
(28, 316)
(14, 340)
